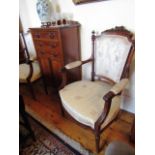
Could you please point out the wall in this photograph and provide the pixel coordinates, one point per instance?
(93, 16)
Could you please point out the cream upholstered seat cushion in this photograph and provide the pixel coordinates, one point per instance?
(83, 100)
(24, 70)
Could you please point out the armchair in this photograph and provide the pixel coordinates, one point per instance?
(29, 68)
(96, 103)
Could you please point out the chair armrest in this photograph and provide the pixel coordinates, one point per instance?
(71, 66)
(114, 91)
(32, 57)
(119, 87)
(29, 62)
(76, 64)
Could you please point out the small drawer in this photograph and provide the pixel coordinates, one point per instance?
(48, 47)
(50, 35)
(42, 53)
(39, 45)
(52, 46)
(55, 55)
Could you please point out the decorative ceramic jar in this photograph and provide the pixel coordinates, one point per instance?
(44, 10)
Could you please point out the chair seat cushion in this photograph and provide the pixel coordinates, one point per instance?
(24, 70)
(83, 100)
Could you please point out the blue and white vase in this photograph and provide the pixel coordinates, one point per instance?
(44, 10)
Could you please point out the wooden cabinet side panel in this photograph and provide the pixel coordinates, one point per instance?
(71, 49)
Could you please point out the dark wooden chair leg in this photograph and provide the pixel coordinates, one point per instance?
(27, 125)
(31, 90)
(97, 140)
(62, 110)
(24, 117)
(45, 86)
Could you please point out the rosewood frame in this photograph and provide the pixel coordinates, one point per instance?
(110, 95)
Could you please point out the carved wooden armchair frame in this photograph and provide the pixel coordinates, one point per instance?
(116, 90)
(30, 63)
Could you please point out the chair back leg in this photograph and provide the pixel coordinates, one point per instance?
(24, 116)
(45, 85)
(32, 91)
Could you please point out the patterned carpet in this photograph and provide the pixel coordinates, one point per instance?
(46, 143)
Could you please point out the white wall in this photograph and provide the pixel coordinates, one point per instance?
(93, 16)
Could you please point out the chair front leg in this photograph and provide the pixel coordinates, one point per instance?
(97, 139)
(62, 110)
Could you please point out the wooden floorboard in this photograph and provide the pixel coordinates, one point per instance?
(47, 111)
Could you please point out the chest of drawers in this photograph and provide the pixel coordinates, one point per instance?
(55, 47)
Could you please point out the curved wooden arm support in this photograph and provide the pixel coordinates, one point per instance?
(107, 98)
(88, 60)
(64, 78)
(115, 90)
(29, 62)
(64, 73)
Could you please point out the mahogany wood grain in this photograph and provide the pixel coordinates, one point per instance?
(55, 47)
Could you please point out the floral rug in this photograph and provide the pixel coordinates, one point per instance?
(46, 143)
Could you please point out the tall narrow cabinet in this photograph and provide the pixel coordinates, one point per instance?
(55, 47)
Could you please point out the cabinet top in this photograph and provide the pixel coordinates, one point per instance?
(73, 24)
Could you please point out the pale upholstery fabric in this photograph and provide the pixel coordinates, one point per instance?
(73, 64)
(32, 57)
(111, 52)
(117, 88)
(83, 100)
(30, 46)
(24, 70)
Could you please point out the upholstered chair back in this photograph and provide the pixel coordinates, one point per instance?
(111, 52)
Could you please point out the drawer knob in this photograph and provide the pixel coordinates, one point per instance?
(53, 45)
(37, 35)
(52, 35)
(41, 52)
(54, 54)
(40, 44)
